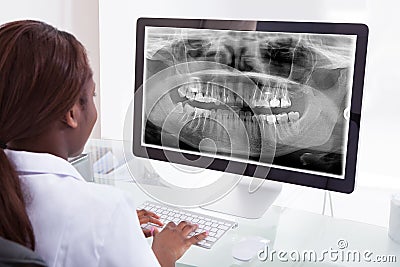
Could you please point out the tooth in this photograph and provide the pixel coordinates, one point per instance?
(265, 100)
(224, 121)
(265, 95)
(236, 119)
(261, 120)
(193, 122)
(282, 118)
(253, 100)
(204, 119)
(274, 102)
(248, 116)
(246, 96)
(220, 98)
(179, 107)
(195, 85)
(190, 95)
(206, 114)
(223, 98)
(262, 117)
(241, 115)
(285, 102)
(194, 89)
(200, 112)
(291, 116)
(214, 92)
(199, 97)
(230, 100)
(188, 109)
(266, 104)
(231, 115)
(212, 121)
(271, 119)
(207, 94)
(260, 103)
(206, 98)
(219, 115)
(294, 116)
(182, 91)
(196, 112)
(239, 101)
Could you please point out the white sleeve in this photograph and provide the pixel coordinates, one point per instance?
(124, 242)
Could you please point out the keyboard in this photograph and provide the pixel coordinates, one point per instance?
(216, 227)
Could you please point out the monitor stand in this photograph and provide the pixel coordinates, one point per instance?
(250, 198)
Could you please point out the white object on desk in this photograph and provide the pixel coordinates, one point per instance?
(106, 163)
(246, 249)
(394, 222)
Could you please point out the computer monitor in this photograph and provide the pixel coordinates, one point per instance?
(274, 100)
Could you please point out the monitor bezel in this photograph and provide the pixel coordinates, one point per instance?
(345, 185)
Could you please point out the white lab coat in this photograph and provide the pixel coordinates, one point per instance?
(77, 223)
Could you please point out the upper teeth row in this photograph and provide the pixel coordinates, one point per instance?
(268, 98)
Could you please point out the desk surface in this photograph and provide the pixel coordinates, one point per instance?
(296, 233)
(291, 231)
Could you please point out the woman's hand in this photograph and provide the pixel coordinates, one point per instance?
(173, 241)
(148, 216)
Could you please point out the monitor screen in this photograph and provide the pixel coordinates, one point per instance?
(283, 96)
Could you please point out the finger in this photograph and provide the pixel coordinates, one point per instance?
(141, 212)
(155, 231)
(147, 219)
(156, 221)
(151, 232)
(188, 229)
(152, 214)
(182, 224)
(170, 225)
(147, 233)
(197, 238)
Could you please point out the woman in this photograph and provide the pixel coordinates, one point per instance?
(46, 115)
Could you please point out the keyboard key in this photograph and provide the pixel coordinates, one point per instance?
(223, 227)
(219, 233)
(211, 239)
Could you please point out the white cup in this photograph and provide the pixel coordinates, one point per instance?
(394, 221)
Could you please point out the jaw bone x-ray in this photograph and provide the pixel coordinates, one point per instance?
(250, 95)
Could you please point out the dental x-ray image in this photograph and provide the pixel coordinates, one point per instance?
(250, 95)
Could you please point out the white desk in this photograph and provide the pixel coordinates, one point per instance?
(291, 230)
